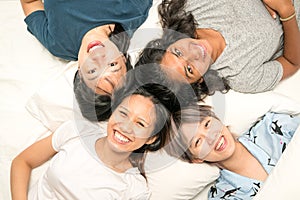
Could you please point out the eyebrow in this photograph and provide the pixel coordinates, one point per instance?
(91, 79)
(109, 81)
(109, 94)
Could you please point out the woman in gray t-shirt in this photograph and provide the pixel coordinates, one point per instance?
(249, 49)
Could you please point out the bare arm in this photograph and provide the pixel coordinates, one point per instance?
(32, 157)
(30, 6)
(290, 59)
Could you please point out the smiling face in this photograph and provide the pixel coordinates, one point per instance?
(188, 58)
(131, 124)
(101, 64)
(211, 142)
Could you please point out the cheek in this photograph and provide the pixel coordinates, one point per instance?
(81, 58)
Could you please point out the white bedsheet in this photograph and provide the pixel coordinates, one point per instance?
(25, 65)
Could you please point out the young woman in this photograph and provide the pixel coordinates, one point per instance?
(247, 47)
(96, 33)
(93, 163)
(245, 162)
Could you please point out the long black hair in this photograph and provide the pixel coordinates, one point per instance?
(167, 98)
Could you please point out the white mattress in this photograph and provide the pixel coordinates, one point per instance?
(25, 66)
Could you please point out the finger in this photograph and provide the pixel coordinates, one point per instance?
(271, 11)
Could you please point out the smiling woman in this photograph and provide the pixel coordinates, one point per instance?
(245, 162)
(85, 28)
(109, 163)
(249, 52)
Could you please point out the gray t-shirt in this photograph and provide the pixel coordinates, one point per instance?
(253, 40)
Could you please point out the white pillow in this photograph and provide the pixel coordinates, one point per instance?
(283, 181)
(170, 178)
(239, 110)
(52, 104)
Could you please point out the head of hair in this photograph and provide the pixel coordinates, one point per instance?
(178, 24)
(93, 106)
(178, 144)
(165, 100)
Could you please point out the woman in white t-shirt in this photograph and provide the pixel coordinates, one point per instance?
(89, 162)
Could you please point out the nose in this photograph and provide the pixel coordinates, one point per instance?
(210, 138)
(194, 53)
(127, 127)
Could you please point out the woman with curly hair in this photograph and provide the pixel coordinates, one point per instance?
(248, 49)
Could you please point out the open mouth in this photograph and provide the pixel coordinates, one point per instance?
(94, 44)
(121, 138)
(202, 50)
(221, 144)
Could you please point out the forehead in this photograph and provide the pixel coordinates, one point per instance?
(190, 129)
(138, 104)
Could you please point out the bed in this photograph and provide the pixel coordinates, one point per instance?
(36, 97)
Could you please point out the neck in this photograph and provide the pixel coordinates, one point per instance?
(215, 39)
(104, 31)
(101, 33)
(117, 161)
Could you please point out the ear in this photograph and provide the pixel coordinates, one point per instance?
(197, 160)
(201, 79)
(123, 57)
(151, 140)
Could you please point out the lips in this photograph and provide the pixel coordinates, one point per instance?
(120, 138)
(94, 44)
(221, 144)
(203, 50)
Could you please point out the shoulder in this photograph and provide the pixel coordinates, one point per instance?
(63, 134)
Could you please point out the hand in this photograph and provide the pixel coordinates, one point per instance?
(284, 8)
(271, 11)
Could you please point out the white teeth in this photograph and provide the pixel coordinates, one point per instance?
(121, 137)
(220, 143)
(202, 51)
(95, 47)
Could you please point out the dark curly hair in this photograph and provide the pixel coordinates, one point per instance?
(178, 24)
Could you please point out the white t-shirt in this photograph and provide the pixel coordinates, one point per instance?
(76, 172)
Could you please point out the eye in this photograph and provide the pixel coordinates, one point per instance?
(197, 142)
(178, 52)
(189, 69)
(112, 64)
(140, 124)
(92, 71)
(207, 123)
(122, 113)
